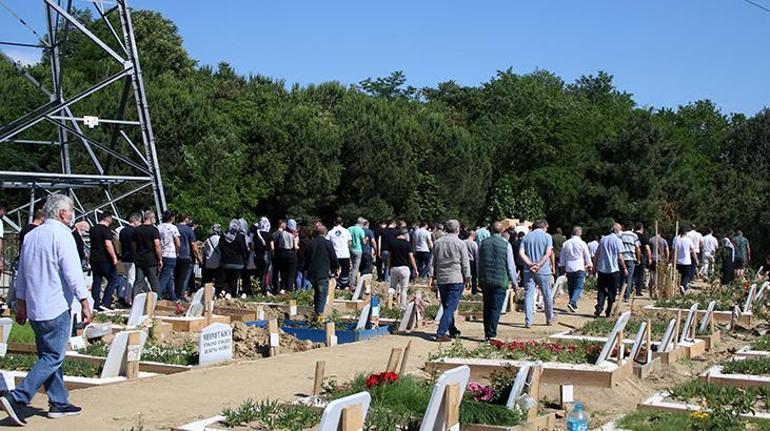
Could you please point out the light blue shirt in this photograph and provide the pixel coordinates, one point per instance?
(610, 247)
(49, 274)
(535, 245)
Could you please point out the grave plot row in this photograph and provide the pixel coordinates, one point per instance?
(576, 362)
(758, 348)
(742, 372)
(389, 401)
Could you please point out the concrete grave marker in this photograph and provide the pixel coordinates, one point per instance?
(620, 325)
(687, 329)
(196, 304)
(7, 382)
(361, 281)
(638, 340)
(5, 331)
(704, 324)
(138, 313)
(668, 337)
(116, 365)
(761, 294)
(215, 344)
(406, 317)
(363, 317)
(443, 409)
(346, 414)
(750, 298)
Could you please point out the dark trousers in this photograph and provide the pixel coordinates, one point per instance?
(150, 273)
(344, 279)
(181, 272)
(380, 263)
(321, 292)
(288, 269)
(108, 271)
(212, 275)
(727, 271)
(367, 263)
(246, 284)
(275, 276)
(231, 280)
(607, 290)
(639, 278)
(474, 279)
(423, 263)
(494, 296)
(686, 272)
(262, 262)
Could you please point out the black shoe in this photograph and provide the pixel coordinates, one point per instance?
(60, 412)
(13, 408)
(455, 334)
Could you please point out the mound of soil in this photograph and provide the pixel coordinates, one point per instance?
(270, 313)
(250, 342)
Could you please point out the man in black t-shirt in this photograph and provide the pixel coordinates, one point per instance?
(104, 262)
(400, 261)
(645, 258)
(37, 221)
(126, 237)
(386, 239)
(148, 259)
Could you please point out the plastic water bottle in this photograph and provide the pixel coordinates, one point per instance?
(577, 419)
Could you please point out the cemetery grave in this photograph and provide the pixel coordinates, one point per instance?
(740, 372)
(758, 348)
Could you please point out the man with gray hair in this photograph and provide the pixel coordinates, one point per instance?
(451, 270)
(535, 251)
(48, 280)
(609, 262)
(576, 261)
(496, 269)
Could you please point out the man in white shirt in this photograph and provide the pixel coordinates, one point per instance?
(576, 260)
(170, 244)
(697, 243)
(686, 258)
(423, 244)
(342, 241)
(48, 281)
(709, 249)
(593, 246)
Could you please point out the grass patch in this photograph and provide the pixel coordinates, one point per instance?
(22, 334)
(70, 367)
(603, 327)
(751, 366)
(574, 352)
(110, 318)
(187, 355)
(270, 415)
(762, 343)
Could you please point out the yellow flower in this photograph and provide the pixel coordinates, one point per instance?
(699, 416)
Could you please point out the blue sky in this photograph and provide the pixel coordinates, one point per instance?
(667, 53)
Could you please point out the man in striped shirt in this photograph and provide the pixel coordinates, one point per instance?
(631, 253)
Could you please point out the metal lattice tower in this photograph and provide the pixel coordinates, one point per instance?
(137, 164)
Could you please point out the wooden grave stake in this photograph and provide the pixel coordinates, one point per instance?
(451, 406)
(648, 341)
(404, 358)
(351, 419)
(133, 354)
(330, 334)
(389, 303)
(656, 286)
(620, 347)
(293, 307)
(676, 328)
(633, 298)
(149, 305)
(534, 391)
(208, 297)
(330, 296)
(320, 367)
(395, 355)
(672, 287)
(272, 328)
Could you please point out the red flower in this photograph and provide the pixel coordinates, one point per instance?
(380, 379)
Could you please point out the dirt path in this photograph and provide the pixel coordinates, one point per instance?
(166, 401)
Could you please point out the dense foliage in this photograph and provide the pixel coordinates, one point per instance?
(523, 145)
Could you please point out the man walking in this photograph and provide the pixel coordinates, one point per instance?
(659, 255)
(536, 250)
(644, 259)
(697, 243)
(126, 238)
(709, 249)
(48, 279)
(400, 261)
(686, 257)
(188, 250)
(104, 262)
(170, 245)
(631, 254)
(357, 236)
(423, 244)
(742, 254)
(496, 270)
(576, 260)
(609, 264)
(340, 237)
(320, 263)
(473, 251)
(387, 237)
(558, 241)
(451, 269)
(148, 255)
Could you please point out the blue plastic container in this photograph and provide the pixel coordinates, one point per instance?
(345, 332)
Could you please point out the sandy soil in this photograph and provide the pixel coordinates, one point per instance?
(166, 401)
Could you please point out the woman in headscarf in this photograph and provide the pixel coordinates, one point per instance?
(233, 254)
(260, 243)
(288, 256)
(211, 257)
(250, 269)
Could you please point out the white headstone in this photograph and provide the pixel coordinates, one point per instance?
(687, 329)
(668, 337)
(439, 313)
(762, 290)
(611, 340)
(196, 304)
(507, 301)
(518, 385)
(363, 317)
(7, 382)
(361, 281)
(434, 417)
(6, 323)
(406, 317)
(330, 420)
(215, 344)
(638, 343)
(704, 324)
(114, 365)
(137, 315)
(747, 304)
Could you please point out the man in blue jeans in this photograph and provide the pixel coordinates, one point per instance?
(535, 251)
(496, 269)
(320, 262)
(451, 270)
(631, 254)
(576, 260)
(48, 279)
(104, 262)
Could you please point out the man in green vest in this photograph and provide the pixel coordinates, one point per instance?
(495, 268)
